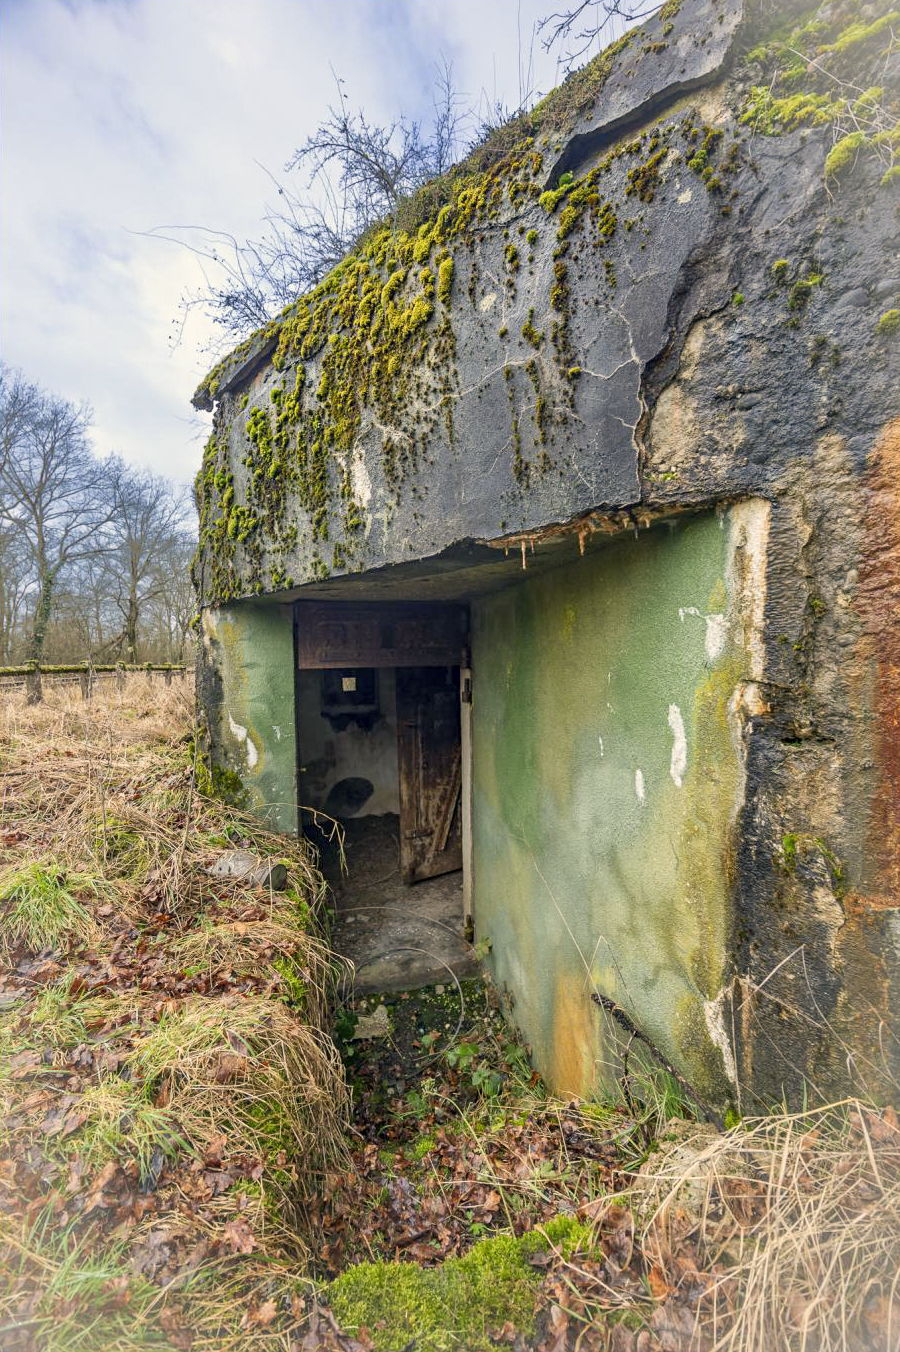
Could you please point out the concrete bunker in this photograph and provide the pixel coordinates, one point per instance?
(658, 307)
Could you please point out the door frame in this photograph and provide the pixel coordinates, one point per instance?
(439, 631)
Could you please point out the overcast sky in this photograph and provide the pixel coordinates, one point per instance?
(124, 115)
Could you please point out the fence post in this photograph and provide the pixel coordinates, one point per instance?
(84, 681)
(120, 674)
(33, 689)
(168, 676)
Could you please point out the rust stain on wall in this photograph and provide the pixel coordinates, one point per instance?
(575, 1040)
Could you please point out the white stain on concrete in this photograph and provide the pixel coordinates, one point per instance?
(714, 1013)
(685, 197)
(716, 636)
(639, 785)
(240, 734)
(488, 301)
(678, 761)
(362, 484)
(209, 626)
(716, 630)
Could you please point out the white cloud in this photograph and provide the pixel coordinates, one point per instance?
(124, 115)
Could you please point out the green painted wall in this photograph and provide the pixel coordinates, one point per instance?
(252, 648)
(607, 773)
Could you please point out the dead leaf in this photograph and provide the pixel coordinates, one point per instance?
(239, 1237)
(659, 1287)
(177, 1332)
(215, 1150)
(675, 1327)
(237, 1044)
(97, 1194)
(24, 1064)
(230, 1067)
(594, 1210)
(217, 1180)
(623, 1339)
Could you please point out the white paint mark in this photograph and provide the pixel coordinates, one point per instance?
(277, 731)
(716, 634)
(716, 630)
(488, 301)
(639, 785)
(600, 740)
(678, 763)
(236, 729)
(240, 732)
(715, 1023)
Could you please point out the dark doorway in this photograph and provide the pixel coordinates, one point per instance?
(379, 734)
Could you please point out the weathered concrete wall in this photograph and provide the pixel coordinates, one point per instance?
(608, 752)
(329, 755)
(247, 691)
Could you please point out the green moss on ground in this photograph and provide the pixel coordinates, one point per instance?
(459, 1304)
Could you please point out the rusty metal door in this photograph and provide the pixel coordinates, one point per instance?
(430, 764)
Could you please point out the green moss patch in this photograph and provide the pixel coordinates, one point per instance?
(456, 1305)
(888, 325)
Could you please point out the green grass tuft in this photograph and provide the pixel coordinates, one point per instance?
(119, 1123)
(40, 909)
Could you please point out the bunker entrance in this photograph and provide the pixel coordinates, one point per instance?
(380, 733)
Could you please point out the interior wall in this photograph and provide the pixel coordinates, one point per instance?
(607, 775)
(330, 757)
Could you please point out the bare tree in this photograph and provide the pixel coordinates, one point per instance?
(94, 555)
(575, 30)
(54, 499)
(170, 610)
(356, 174)
(14, 585)
(149, 517)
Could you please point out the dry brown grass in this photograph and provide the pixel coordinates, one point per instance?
(140, 711)
(783, 1235)
(174, 1095)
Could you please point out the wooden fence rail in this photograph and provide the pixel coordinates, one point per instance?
(32, 675)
